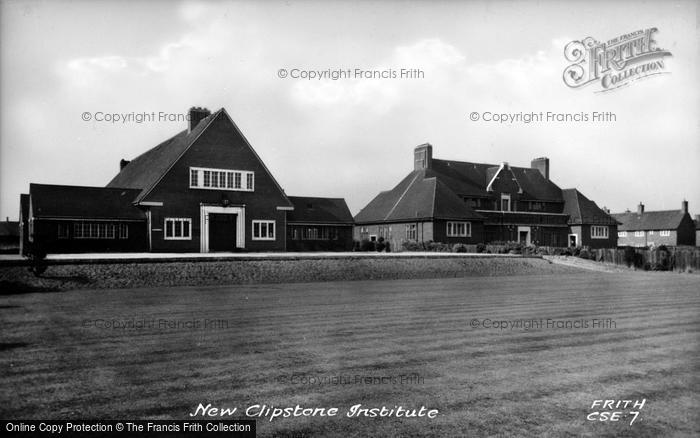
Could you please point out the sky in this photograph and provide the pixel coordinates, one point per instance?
(351, 137)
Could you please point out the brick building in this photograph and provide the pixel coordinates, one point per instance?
(203, 190)
(653, 228)
(462, 202)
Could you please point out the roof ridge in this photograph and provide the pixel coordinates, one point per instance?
(402, 196)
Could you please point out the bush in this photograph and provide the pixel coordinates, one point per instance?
(37, 259)
(480, 247)
(367, 245)
(380, 245)
(459, 247)
(584, 254)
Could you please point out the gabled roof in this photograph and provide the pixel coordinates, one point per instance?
(77, 202)
(144, 171)
(472, 179)
(421, 195)
(9, 229)
(582, 210)
(649, 220)
(319, 210)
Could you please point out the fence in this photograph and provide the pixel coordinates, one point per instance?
(672, 259)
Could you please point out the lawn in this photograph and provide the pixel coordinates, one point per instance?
(339, 344)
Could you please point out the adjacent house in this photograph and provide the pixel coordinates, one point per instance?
(463, 202)
(9, 236)
(203, 190)
(654, 228)
(319, 224)
(697, 230)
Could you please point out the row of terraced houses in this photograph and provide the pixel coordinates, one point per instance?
(206, 189)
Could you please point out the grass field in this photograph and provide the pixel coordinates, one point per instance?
(56, 364)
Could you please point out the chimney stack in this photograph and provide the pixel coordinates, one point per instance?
(541, 164)
(196, 115)
(123, 163)
(640, 208)
(684, 206)
(423, 157)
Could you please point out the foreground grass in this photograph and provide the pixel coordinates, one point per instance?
(483, 381)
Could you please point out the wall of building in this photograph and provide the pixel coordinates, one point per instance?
(342, 241)
(586, 239)
(440, 233)
(394, 233)
(46, 232)
(219, 147)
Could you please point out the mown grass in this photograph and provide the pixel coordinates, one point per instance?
(539, 382)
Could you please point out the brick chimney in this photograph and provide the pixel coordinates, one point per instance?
(541, 164)
(640, 208)
(123, 163)
(684, 206)
(196, 115)
(423, 157)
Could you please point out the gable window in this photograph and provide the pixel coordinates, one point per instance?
(599, 232)
(263, 230)
(459, 229)
(221, 179)
(665, 233)
(622, 234)
(411, 232)
(178, 228)
(505, 202)
(639, 234)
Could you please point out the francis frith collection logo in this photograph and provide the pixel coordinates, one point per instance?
(616, 62)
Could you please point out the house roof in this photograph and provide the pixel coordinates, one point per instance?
(472, 179)
(9, 229)
(582, 210)
(649, 220)
(421, 195)
(144, 171)
(77, 202)
(319, 210)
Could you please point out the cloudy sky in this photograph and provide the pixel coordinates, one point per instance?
(351, 137)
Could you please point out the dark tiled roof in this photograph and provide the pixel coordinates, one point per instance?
(471, 179)
(55, 201)
(9, 229)
(421, 195)
(649, 220)
(144, 171)
(582, 210)
(319, 210)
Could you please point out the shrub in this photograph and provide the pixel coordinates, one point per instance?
(380, 245)
(459, 247)
(367, 245)
(480, 247)
(584, 254)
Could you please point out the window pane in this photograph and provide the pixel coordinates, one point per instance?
(271, 230)
(207, 178)
(249, 181)
(229, 180)
(186, 229)
(193, 178)
(168, 228)
(256, 229)
(222, 179)
(178, 229)
(237, 177)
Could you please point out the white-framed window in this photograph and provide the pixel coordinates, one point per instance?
(505, 202)
(459, 229)
(63, 231)
(599, 232)
(622, 234)
(178, 228)
(92, 230)
(263, 230)
(411, 232)
(665, 233)
(221, 179)
(123, 231)
(651, 232)
(639, 234)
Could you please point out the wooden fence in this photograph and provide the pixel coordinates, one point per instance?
(672, 259)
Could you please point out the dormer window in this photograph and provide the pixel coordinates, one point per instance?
(505, 201)
(221, 179)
